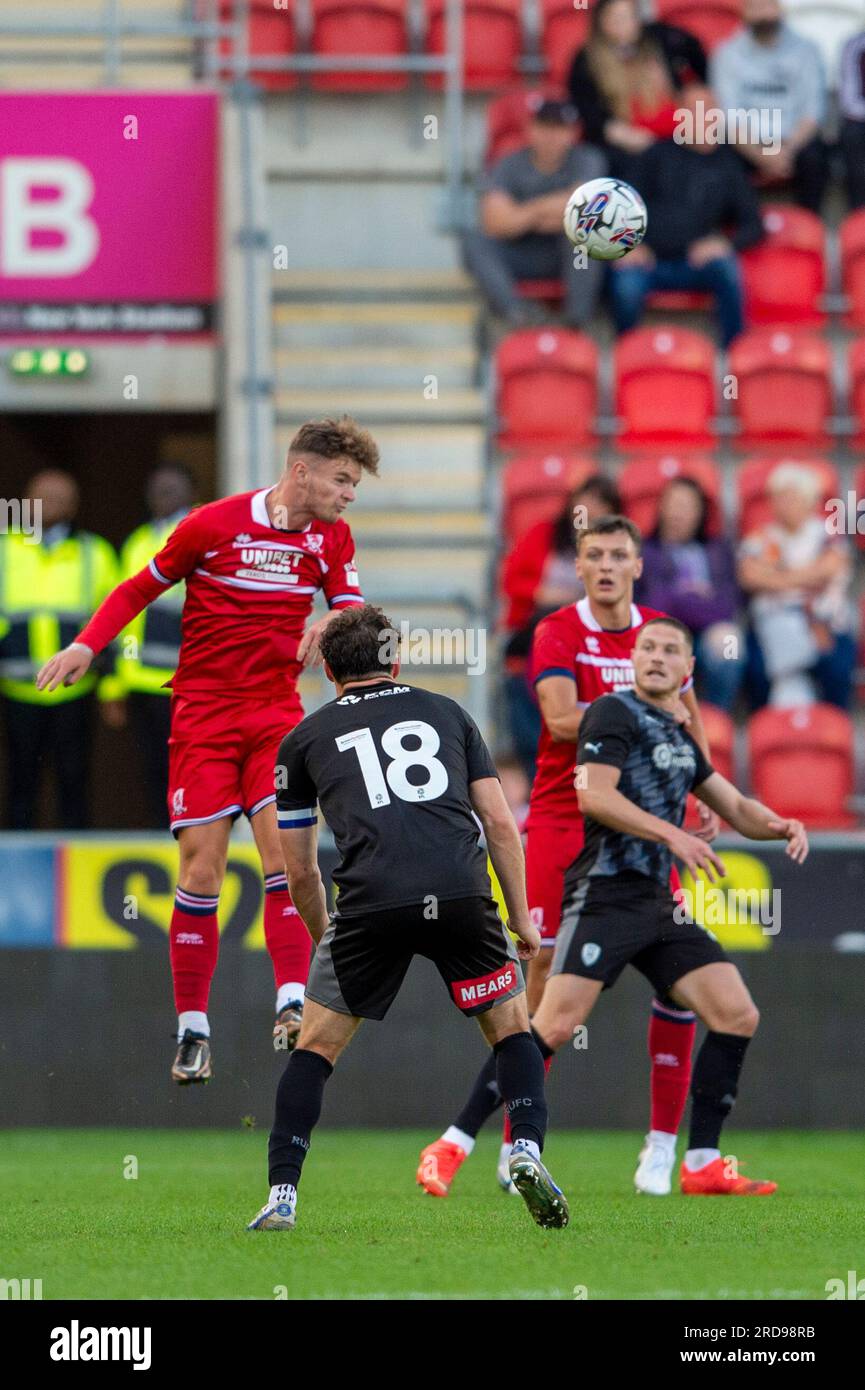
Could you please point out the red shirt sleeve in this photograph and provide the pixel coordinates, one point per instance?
(182, 551)
(552, 652)
(119, 608)
(177, 559)
(341, 583)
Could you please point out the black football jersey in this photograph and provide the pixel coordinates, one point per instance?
(660, 764)
(390, 766)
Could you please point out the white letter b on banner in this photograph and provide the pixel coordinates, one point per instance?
(64, 214)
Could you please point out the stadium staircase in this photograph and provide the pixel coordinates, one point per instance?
(372, 315)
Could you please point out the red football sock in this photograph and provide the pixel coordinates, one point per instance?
(285, 934)
(194, 946)
(671, 1041)
(506, 1122)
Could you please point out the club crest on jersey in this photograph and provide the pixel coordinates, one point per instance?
(590, 953)
(593, 644)
(313, 542)
(243, 539)
(665, 756)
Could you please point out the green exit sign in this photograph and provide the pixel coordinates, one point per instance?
(48, 362)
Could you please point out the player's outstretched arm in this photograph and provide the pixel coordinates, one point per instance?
(122, 605)
(506, 852)
(300, 852)
(751, 818)
(599, 797)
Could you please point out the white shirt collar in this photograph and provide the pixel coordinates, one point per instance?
(258, 507)
(588, 619)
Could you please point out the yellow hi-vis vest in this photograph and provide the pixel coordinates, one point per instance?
(149, 648)
(47, 594)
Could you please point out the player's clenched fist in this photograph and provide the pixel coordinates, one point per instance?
(695, 854)
(528, 940)
(65, 668)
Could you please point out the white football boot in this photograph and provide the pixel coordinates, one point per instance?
(503, 1172)
(654, 1175)
(277, 1216)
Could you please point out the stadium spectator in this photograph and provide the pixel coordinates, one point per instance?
(702, 210)
(692, 576)
(798, 576)
(540, 576)
(625, 80)
(523, 200)
(776, 75)
(48, 585)
(851, 103)
(150, 659)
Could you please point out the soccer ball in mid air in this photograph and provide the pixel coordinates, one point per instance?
(607, 217)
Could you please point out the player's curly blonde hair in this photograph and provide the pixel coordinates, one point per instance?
(333, 438)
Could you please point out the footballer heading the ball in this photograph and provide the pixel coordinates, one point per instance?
(606, 217)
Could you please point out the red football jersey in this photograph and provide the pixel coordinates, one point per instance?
(571, 642)
(249, 591)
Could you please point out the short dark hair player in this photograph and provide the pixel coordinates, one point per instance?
(636, 765)
(400, 774)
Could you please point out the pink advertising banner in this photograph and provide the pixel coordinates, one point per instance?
(108, 212)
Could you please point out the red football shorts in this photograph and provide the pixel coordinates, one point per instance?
(222, 755)
(551, 848)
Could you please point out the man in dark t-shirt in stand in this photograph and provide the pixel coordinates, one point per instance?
(400, 774)
(522, 204)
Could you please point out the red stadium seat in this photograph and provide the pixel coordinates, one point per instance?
(551, 290)
(851, 239)
(752, 487)
(564, 29)
(492, 41)
(642, 480)
(784, 388)
(802, 763)
(711, 20)
(785, 275)
(547, 388)
(721, 733)
(664, 388)
(679, 301)
(535, 488)
(272, 34)
(856, 389)
(360, 28)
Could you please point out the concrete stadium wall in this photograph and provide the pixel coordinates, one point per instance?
(85, 1040)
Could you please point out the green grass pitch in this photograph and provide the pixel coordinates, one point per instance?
(69, 1217)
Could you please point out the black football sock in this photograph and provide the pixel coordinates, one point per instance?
(484, 1100)
(520, 1073)
(714, 1086)
(298, 1106)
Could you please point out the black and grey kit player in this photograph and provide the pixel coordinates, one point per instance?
(403, 778)
(636, 764)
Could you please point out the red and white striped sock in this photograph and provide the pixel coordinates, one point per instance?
(194, 947)
(287, 939)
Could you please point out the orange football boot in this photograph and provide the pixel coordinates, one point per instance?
(715, 1181)
(438, 1166)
